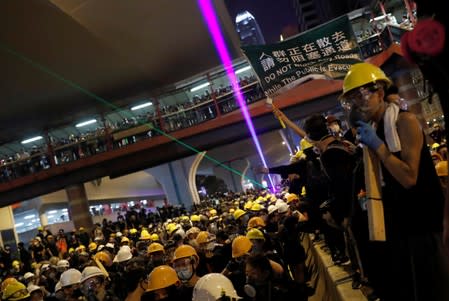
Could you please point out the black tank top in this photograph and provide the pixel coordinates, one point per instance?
(415, 210)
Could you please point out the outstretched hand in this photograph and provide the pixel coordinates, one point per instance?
(367, 135)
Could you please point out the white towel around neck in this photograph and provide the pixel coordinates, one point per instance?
(390, 129)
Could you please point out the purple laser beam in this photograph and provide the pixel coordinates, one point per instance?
(215, 32)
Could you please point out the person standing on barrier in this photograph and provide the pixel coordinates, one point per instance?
(410, 264)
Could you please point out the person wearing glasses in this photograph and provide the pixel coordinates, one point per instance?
(411, 264)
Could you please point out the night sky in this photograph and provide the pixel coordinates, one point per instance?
(271, 15)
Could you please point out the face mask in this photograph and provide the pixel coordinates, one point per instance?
(249, 288)
(185, 274)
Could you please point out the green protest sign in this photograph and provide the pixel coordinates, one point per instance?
(327, 51)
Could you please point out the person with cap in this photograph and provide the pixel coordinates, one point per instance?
(163, 283)
(410, 264)
(29, 279)
(235, 269)
(36, 293)
(62, 265)
(442, 173)
(37, 249)
(70, 284)
(93, 285)
(214, 287)
(156, 254)
(15, 291)
(185, 262)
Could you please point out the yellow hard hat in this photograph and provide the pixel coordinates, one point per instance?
(144, 235)
(80, 248)
(15, 291)
(124, 239)
(241, 245)
(202, 237)
(92, 246)
(104, 258)
(154, 237)
(213, 212)
(257, 207)
(133, 231)
(255, 234)
(238, 213)
(441, 168)
(361, 74)
(7, 281)
(155, 247)
(161, 277)
(40, 228)
(195, 218)
(256, 222)
(291, 197)
(15, 264)
(435, 146)
(303, 191)
(185, 251)
(71, 250)
(231, 210)
(248, 205)
(172, 227)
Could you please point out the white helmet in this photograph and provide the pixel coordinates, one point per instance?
(70, 277)
(212, 286)
(45, 267)
(123, 254)
(272, 209)
(119, 234)
(32, 288)
(28, 275)
(282, 207)
(91, 271)
(63, 264)
(193, 230)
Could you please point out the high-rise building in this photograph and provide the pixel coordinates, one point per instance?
(248, 29)
(312, 13)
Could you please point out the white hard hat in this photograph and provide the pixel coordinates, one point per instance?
(45, 267)
(70, 277)
(282, 207)
(28, 275)
(118, 234)
(58, 286)
(193, 230)
(32, 288)
(181, 232)
(272, 209)
(212, 286)
(63, 263)
(123, 254)
(91, 271)
(110, 245)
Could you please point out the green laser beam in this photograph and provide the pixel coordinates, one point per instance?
(111, 105)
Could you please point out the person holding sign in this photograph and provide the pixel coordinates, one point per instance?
(411, 261)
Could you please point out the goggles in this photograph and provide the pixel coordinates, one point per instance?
(358, 97)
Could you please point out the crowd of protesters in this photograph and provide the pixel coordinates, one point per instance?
(249, 246)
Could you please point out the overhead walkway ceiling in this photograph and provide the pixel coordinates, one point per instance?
(53, 51)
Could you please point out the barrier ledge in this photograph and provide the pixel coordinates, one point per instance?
(331, 282)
